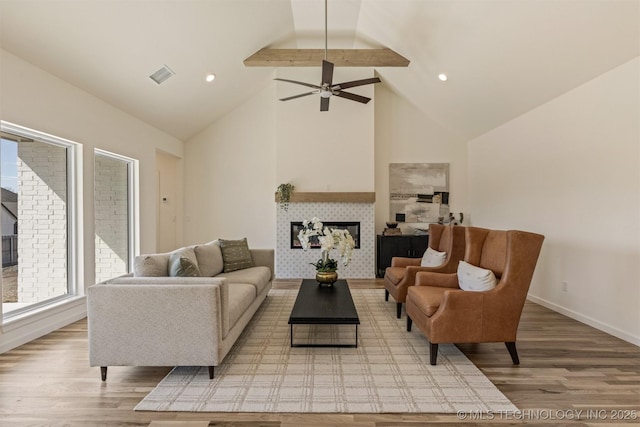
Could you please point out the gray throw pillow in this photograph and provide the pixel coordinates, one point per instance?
(209, 259)
(182, 264)
(235, 254)
(151, 265)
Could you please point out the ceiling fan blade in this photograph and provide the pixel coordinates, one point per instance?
(352, 96)
(354, 83)
(298, 83)
(324, 104)
(327, 72)
(298, 96)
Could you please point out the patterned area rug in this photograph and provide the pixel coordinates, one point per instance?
(389, 371)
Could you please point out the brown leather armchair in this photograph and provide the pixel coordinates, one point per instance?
(444, 313)
(402, 273)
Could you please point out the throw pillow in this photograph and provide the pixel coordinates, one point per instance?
(235, 254)
(151, 265)
(433, 258)
(472, 278)
(182, 263)
(209, 259)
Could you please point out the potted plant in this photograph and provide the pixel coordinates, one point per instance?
(284, 195)
(329, 239)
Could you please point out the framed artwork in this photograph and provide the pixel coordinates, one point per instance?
(418, 192)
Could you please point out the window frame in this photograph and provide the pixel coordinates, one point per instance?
(133, 239)
(75, 258)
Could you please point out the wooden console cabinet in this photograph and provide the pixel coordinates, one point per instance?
(410, 246)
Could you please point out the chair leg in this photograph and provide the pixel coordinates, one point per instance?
(398, 310)
(409, 323)
(210, 372)
(103, 373)
(386, 295)
(511, 346)
(433, 353)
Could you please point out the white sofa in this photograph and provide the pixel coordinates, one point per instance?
(135, 320)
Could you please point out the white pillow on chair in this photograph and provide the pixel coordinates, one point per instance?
(472, 278)
(433, 258)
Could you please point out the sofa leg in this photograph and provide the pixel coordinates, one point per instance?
(511, 346)
(398, 310)
(409, 323)
(103, 373)
(210, 372)
(433, 353)
(386, 295)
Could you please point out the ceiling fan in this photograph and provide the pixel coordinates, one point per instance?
(327, 88)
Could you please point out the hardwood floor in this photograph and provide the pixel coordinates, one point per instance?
(566, 367)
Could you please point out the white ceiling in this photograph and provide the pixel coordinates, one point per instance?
(503, 57)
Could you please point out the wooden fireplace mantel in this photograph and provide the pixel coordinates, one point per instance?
(330, 197)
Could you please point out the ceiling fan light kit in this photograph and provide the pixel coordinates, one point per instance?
(327, 89)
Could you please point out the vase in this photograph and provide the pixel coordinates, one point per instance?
(326, 277)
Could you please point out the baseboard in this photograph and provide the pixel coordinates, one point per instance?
(586, 320)
(24, 330)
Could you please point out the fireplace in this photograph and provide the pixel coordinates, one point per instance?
(351, 226)
(359, 218)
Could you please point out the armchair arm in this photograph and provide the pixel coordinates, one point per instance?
(459, 317)
(404, 262)
(441, 280)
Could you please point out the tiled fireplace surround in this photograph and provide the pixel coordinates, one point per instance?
(294, 263)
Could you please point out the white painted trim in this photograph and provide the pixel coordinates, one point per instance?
(586, 320)
(41, 322)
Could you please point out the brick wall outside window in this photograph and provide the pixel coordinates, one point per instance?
(42, 221)
(111, 217)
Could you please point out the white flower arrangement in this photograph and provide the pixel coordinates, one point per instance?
(329, 239)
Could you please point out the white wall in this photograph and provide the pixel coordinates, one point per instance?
(329, 150)
(38, 100)
(169, 201)
(403, 134)
(230, 176)
(570, 169)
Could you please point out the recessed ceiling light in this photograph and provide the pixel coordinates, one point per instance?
(210, 77)
(442, 77)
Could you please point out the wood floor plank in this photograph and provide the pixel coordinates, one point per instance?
(565, 366)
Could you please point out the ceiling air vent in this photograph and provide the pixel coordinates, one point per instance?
(162, 74)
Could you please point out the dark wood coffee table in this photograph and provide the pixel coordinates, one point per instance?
(324, 305)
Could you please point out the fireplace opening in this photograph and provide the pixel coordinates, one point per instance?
(351, 226)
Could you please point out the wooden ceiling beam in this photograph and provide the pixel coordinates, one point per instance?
(313, 57)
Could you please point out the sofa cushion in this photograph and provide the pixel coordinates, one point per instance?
(472, 278)
(395, 274)
(151, 265)
(209, 258)
(241, 295)
(433, 258)
(235, 254)
(427, 298)
(258, 276)
(183, 263)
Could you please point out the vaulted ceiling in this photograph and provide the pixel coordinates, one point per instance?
(502, 57)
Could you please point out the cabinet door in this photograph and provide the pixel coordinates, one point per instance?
(390, 246)
(419, 245)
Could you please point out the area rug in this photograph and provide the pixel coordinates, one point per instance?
(389, 371)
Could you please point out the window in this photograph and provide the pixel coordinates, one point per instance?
(114, 204)
(38, 221)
